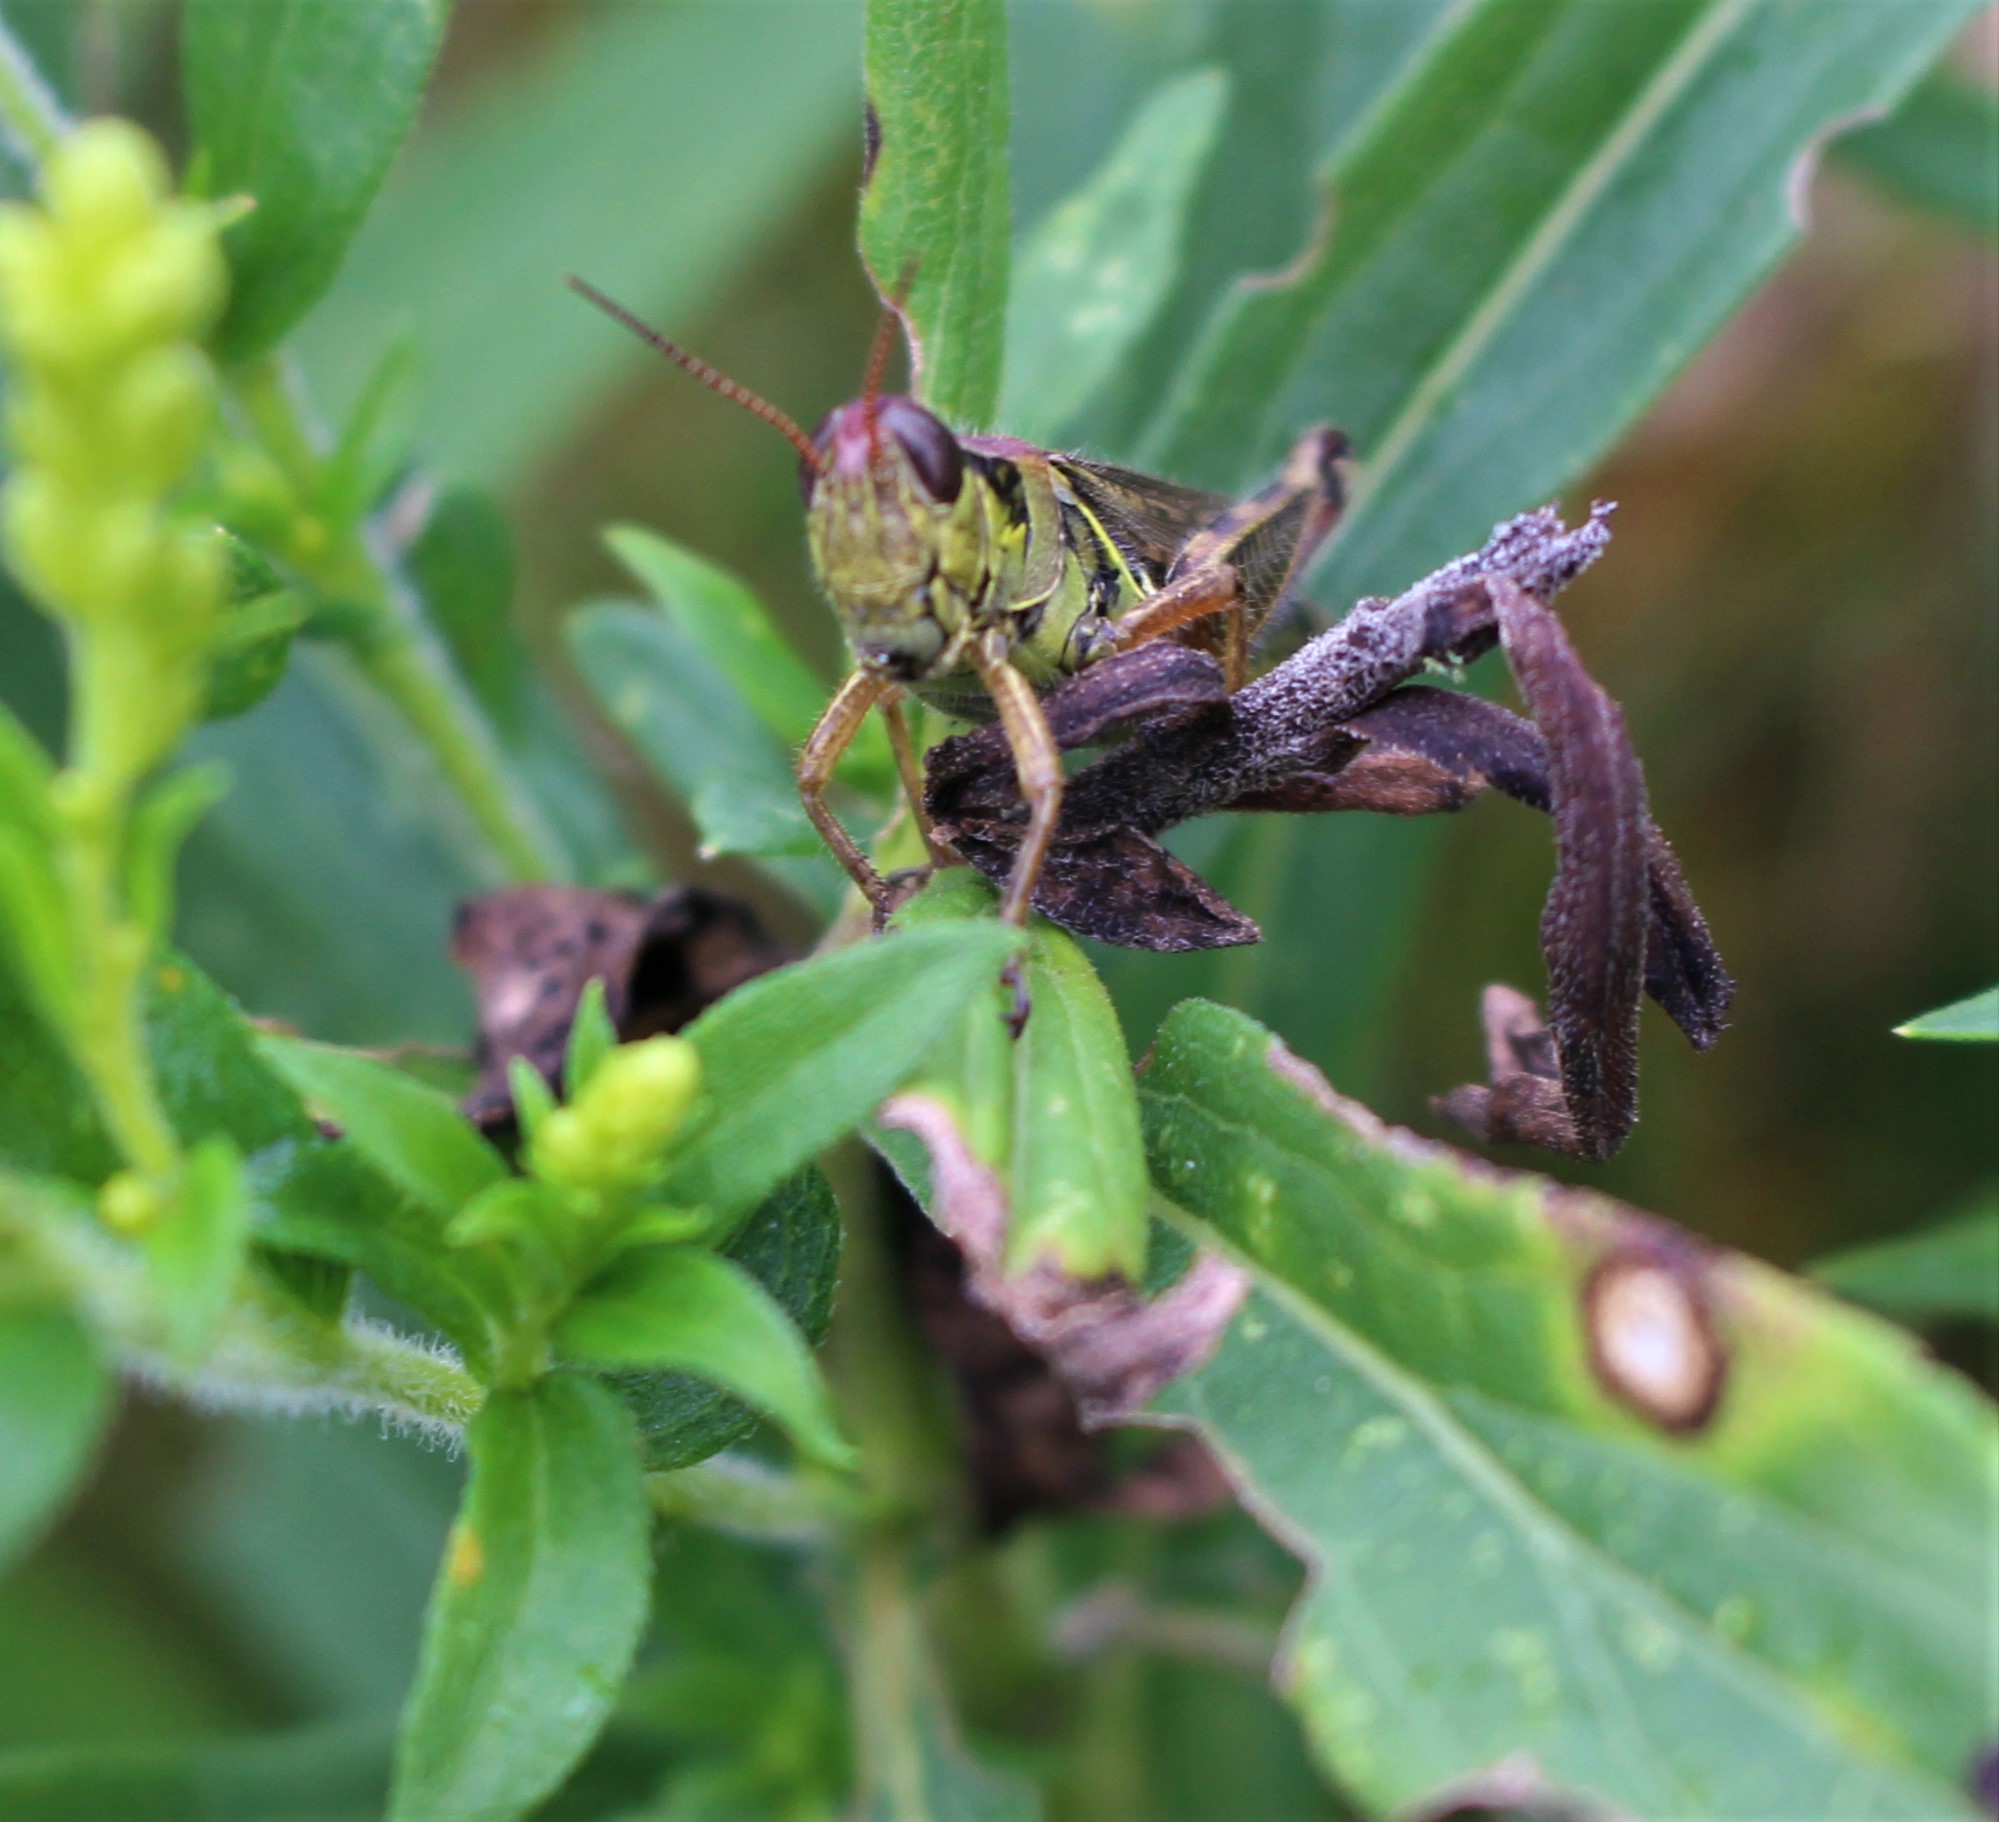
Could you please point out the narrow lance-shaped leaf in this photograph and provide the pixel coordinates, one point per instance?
(735, 633)
(1436, 321)
(1937, 1273)
(299, 104)
(537, 1608)
(54, 1398)
(934, 196)
(682, 1309)
(1573, 1484)
(796, 1058)
(1974, 1020)
(1095, 272)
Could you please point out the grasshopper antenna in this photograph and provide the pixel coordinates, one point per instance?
(711, 377)
(883, 344)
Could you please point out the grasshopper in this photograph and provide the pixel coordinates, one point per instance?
(975, 572)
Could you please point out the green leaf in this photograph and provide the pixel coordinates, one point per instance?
(1094, 274)
(1939, 150)
(300, 104)
(199, 1247)
(692, 1311)
(801, 1056)
(730, 628)
(537, 1609)
(1570, 1483)
(1949, 1270)
(1053, 1112)
(700, 738)
(1974, 1020)
(934, 199)
(55, 1396)
(161, 822)
(791, 1246)
(415, 1136)
(1437, 321)
(591, 1038)
(336, 1773)
(530, 174)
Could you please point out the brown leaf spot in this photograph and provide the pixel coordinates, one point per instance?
(1652, 1340)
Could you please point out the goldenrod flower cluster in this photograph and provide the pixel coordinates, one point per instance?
(105, 291)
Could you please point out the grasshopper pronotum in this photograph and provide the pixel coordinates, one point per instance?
(976, 571)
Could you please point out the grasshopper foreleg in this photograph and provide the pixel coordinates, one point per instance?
(1037, 763)
(823, 748)
(910, 770)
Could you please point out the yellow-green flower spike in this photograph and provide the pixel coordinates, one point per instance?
(106, 288)
(616, 1134)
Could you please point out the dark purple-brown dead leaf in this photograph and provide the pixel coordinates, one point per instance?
(531, 950)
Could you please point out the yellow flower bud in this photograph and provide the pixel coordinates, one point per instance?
(156, 416)
(616, 1134)
(105, 182)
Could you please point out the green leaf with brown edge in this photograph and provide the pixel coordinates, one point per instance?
(790, 1246)
(1967, 1021)
(1571, 1483)
(1935, 1274)
(690, 1311)
(799, 1057)
(300, 104)
(1052, 1112)
(55, 1396)
(537, 1609)
(1101, 264)
(934, 198)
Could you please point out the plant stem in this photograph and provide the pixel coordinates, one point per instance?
(398, 653)
(885, 1382)
(34, 120)
(269, 1353)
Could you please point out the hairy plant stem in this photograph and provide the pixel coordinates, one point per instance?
(269, 1352)
(33, 119)
(394, 649)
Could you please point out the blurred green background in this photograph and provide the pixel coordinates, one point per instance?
(1798, 614)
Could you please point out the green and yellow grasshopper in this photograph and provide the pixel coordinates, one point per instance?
(975, 572)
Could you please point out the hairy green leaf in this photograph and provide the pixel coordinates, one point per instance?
(580, 158)
(299, 104)
(1974, 1020)
(934, 198)
(680, 1308)
(54, 1398)
(1573, 1485)
(415, 1136)
(1094, 273)
(1939, 150)
(801, 1056)
(537, 1609)
(1949, 1270)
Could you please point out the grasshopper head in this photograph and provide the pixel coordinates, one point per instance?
(898, 538)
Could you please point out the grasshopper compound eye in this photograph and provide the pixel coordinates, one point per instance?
(932, 450)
